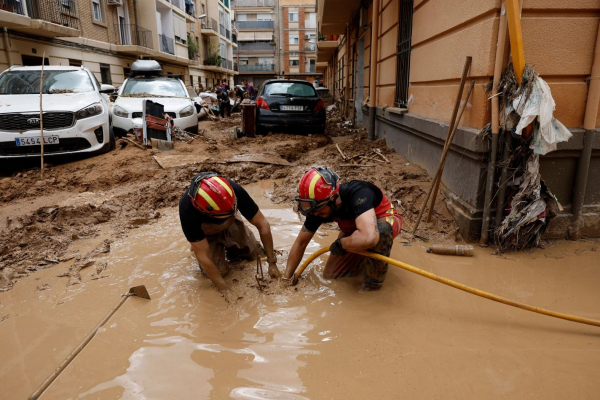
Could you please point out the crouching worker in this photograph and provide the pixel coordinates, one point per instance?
(209, 219)
(366, 218)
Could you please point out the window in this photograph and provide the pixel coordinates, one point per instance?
(74, 63)
(403, 51)
(294, 63)
(294, 39)
(263, 17)
(105, 74)
(180, 29)
(293, 17)
(28, 82)
(293, 88)
(96, 10)
(203, 9)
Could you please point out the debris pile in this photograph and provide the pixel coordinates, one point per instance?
(531, 204)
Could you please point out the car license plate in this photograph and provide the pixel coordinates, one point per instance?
(36, 141)
(292, 108)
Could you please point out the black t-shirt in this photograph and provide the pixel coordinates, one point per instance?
(357, 197)
(192, 219)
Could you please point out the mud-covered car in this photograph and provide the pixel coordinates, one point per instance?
(75, 112)
(148, 82)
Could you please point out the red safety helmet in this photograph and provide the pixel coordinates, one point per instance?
(318, 187)
(213, 195)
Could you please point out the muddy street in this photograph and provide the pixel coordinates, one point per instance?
(76, 240)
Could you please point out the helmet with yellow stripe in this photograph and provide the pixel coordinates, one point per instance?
(212, 195)
(318, 188)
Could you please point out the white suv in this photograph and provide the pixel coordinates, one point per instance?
(76, 114)
(147, 82)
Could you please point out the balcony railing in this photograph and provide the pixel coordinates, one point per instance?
(235, 66)
(210, 24)
(252, 3)
(256, 24)
(130, 34)
(13, 6)
(59, 12)
(179, 4)
(227, 64)
(309, 47)
(257, 67)
(249, 46)
(167, 44)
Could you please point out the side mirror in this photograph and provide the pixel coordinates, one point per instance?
(107, 88)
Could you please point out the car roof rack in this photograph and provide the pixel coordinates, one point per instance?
(145, 67)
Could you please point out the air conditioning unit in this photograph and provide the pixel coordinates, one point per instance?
(306, 36)
(115, 2)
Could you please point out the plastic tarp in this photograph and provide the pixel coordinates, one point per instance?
(540, 104)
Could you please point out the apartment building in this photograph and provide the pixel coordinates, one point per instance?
(107, 36)
(299, 38)
(256, 53)
(407, 56)
(216, 44)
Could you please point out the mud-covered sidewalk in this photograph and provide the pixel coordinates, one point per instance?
(40, 219)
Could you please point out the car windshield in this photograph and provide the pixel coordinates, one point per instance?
(154, 87)
(55, 82)
(289, 89)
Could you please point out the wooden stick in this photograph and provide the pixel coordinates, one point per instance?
(372, 159)
(340, 150)
(358, 165)
(440, 168)
(134, 143)
(42, 116)
(453, 122)
(377, 151)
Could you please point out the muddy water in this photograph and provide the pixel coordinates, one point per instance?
(323, 339)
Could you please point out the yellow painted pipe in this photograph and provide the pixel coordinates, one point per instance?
(456, 285)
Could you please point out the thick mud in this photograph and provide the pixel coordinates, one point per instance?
(41, 219)
(322, 339)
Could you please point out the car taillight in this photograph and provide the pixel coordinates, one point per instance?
(261, 103)
(320, 105)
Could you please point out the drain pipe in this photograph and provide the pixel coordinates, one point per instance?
(589, 124)
(373, 70)
(7, 48)
(489, 189)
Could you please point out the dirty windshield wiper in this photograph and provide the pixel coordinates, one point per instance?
(280, 94)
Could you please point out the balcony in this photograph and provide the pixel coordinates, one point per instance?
(234, 38)
(210, 27)
(257, 67)
(256, 24)
(49, 18)
(227, 64)
(179, 4)
(326, 48)
(252, 46)
(309, 47)
(133, 35)
(167, 44)
(334, 14)
(252, 3)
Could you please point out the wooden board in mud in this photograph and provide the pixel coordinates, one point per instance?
(177, 160)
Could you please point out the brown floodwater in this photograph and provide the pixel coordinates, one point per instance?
(323, 339)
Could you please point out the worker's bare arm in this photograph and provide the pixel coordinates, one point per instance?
(297, 251)
(202, 252)
(266, 237)
(366, 235)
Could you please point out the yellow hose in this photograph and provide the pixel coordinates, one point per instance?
(456, 285)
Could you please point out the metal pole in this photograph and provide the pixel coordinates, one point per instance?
(489, 188)
(42, 116)
(589, 124)
(440, 168)
(7, 48)
(373, 70)
(461, 87)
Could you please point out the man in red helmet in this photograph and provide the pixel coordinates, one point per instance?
(207, 211)
(366, 218)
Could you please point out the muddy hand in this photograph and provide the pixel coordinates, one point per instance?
(230, 297)
(274, 271)
(287, 282)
